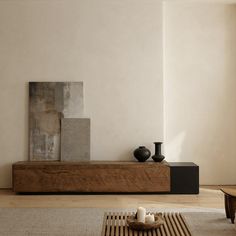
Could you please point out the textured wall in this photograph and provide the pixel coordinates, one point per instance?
(115, 47)
(200, 84)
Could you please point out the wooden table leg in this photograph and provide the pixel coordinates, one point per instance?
(227, 212)
(232, 208)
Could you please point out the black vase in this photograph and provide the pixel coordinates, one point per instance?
(158, 157)
(142, 154)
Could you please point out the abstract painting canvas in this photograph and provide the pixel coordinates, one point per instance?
(49, 102)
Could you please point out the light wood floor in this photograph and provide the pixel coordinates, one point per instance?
(209, 197)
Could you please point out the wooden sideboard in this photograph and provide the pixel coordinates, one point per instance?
(91, 177)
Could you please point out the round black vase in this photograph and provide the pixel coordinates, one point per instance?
(158, 157)
(142, 154)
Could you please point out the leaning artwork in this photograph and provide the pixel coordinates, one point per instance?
(49, 102)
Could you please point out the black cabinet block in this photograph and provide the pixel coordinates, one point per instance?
(184, 177)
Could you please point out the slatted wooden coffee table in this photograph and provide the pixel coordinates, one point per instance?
(114, 224)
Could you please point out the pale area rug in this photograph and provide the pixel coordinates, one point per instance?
(88, 221)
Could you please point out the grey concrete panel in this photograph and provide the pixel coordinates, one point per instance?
(75, 139)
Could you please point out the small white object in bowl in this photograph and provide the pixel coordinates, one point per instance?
(149, 219)
(141, 213)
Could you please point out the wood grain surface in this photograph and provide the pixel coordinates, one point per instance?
(119, 177)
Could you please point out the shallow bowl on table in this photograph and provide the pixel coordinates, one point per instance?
(134, 224)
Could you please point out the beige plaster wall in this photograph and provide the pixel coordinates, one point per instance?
(115, 47)
(199, 87)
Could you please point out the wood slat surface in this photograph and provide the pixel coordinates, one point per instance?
(114, 224)
(123, 177)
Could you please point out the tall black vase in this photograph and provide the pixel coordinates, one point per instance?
(158, 157)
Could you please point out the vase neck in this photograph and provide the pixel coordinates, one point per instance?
(157, 148)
